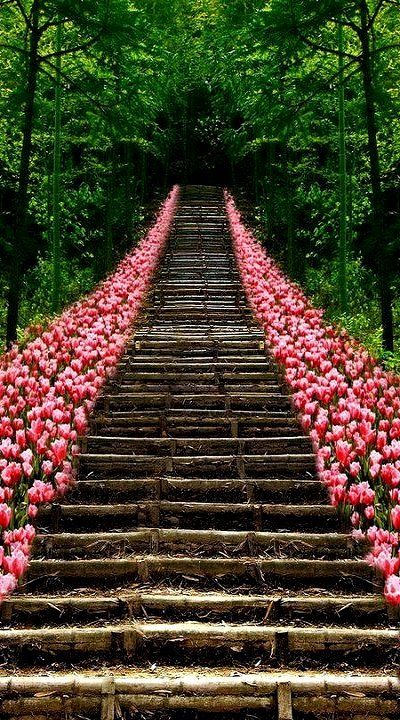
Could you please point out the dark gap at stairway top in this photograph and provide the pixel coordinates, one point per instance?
(198, 286)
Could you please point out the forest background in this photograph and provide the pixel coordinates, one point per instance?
(292, 105)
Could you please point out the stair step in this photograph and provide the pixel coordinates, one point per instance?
(229, 466)
(209, 376)
(217, 489)
(251, 424)
(135, 369)
(206, 543)
(180, 691)
(337, 609)
(166, 513)
(142, 642)
(188, 446)
(167, 399)
(257, 396)
(347, 575)
(195, 359)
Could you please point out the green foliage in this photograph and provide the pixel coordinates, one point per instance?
(362, 318)
(36, 305)
(244, 91)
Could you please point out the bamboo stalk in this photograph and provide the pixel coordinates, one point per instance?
(342, 177)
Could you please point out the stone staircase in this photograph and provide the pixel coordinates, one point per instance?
(197, 571)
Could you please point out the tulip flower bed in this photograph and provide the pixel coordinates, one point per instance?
(48, 389)
(348, 404)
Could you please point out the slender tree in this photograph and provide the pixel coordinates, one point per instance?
(367, 22)
(56, 294)
(342, 178)
(309, 22)
(38, 20)
(35, 32)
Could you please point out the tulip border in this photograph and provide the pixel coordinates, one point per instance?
(49, 387)
(347, 403)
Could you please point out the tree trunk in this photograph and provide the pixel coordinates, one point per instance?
(290, 224)
(270, 217)
(384, 276)
(143, 179)
(56, 180)
(22, 201)
(350, 203)
(342, 181)
(109, 229)
(185, 145)
(129, 191)
(233, 172)
(255, 177)
(166, 169)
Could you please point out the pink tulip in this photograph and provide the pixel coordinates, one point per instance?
(392, 590)
(48, 389)
(5, 515)
(395, 517)
(8, 583)
(15, 564)
(348, 404)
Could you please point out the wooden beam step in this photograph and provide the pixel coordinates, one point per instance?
(209, 542)
(301, 511)
(220, 489)
(143, 641)
(186, 350)
(195, 359)
(245, 417)
(224, 423)
(342, 575)
(210, 375)
(319, 694)
(168, 398)
(336, 609)
(266, 380)
(189, 427)
(189, 446)
(193, 387)
(229, 466)
(136, 367)
(260, 425)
